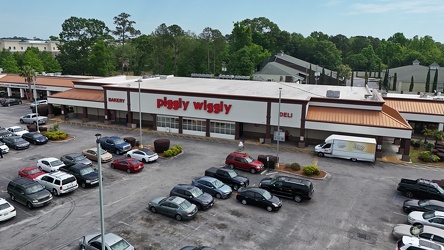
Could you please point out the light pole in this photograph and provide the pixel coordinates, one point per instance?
(99, 163)
(279, 125)
(36, 105)
(140, 116)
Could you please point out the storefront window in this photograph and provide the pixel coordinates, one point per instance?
(195, 125)
(222, 128)
(167, 122)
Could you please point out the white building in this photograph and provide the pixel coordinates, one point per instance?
(20, 45)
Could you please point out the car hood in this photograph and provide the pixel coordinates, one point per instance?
(241, 178)
(123, 144)
(85, 161)
(402, 230)
(225, 189)
(205, 198)
(265, 182)
(275, 200)
(416, 215)
(156, 200)
(257, 163)
(41, 138)
(39, 195)
(91, 176)
(411, 203)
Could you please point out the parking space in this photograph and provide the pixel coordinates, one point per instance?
(355, 208)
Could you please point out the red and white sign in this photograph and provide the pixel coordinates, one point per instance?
(209, 107)
(118, 100)
(286, 115)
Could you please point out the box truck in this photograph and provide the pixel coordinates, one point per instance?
(348, 147)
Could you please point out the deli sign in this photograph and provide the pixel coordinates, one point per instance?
(204, 105)
(118, 100)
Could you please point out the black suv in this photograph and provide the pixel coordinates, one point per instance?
(28, 192)
(286, 186)
(194, 195)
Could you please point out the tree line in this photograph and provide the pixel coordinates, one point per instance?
(89, 47)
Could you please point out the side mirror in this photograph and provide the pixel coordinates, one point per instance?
(191, 196)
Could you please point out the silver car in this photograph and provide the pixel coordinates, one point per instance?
(428, 233)
(112, 242)
(431, 218)
(174, 206)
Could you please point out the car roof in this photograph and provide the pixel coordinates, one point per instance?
(254, 189)
(29, 168)
(110, 238)
(185, 187)
(59, 174)
(239, 154)
(206, 178)
(435, 202)
(73, 154)
(49, 159)
(293, 179)
(175, 199)
(146, 150)
(15, 127)
(80, 166)
(24, 181)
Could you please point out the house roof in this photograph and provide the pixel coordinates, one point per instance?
(305, 64)
(419, 72)
(387, 118)
(81, 94)
(420, 106)
(274, 68)
(41, 80)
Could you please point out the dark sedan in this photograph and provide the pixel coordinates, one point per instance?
(423, 205)
(194, 195)
(15, 142)
(75, 158)
(86, 176)
(35, 138)
(10, 102)
(259, 197)
(130, 165)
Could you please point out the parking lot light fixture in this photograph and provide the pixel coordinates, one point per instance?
(99, 163)
(140, 116)
(36, 105)
(279, 126)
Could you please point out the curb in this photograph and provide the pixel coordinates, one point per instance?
(66, 140)
(327, 175)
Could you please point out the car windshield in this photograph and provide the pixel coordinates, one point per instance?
(266, 195)
(249, 159)
(34, 189)
(103, 151)
(4, 206)
(34, 171)
(133, 161)
(18, 129)
(86, 171)
(56, 163)
(119, 141)
(79, 157)
(232, 173)
(36, 136)
(18, 140)
(423, 203)
(440, 190)
(196, 192)
(217, 183)
(428, 215)
(120, 245)
(185, 204)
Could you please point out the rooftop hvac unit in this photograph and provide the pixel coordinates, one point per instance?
(333, 93)
(163, 77)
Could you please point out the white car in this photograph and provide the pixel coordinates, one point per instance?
(412, 242)
(58, 183)
(431, 218)
(50, 164)
(17, 130)
(4, 148)
(429, 233)
(7, 211)
(32, 118)
(38, 102)
(144, 155)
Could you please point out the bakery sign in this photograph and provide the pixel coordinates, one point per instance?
(204, 105)
(118, 100)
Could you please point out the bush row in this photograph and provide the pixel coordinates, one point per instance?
(174, 150)
(427, 156)
(308, 170)
(56, 135)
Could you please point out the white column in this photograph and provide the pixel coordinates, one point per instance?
(441, 126)
(9, 91)
(48, 93)
(22, 93)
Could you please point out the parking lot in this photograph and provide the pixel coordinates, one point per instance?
(355, 208)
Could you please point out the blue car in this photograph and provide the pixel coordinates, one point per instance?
(212, 186)
(35, 138)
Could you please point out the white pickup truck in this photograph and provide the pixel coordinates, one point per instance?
(32, 118)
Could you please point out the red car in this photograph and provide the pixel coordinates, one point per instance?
(130, 165)
(244, 161)
(30, 172)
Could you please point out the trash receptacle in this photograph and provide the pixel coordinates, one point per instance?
(261, 140)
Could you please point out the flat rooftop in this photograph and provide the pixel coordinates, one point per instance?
(236, 87)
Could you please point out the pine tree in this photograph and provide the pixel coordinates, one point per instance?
(380, 84)
(427, 85)
(366, 78)
(435, 81)
(395, 79)
(351, 80)
(385, 82)
(412, 83)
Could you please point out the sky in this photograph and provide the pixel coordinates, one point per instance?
(376, 18)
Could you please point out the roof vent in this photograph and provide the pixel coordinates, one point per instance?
(333, 93)
(163, 77)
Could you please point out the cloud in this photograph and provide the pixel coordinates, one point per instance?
(396, 6)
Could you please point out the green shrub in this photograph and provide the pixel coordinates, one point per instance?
(174, 150)
(428, 146)
(412, 142)
(295, 166)
(56, 135)
(427, 156)
(311, 170)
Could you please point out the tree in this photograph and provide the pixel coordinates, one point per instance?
(101, 60)
(142, 60)
(386, 80)
(412, 84)
(427, 84)
(31, 58)
(29, 74)
(344, 72)
(395, 79)
(124, 30)
(161, 47)
(9, 64)
(435, 81)
(207, 36)
(176, 34)
(438, 135)
(50, 64)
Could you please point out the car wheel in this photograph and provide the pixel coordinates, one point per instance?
(235, 187)
(40, 168)
(128, 155)
(112, 166)
(269, 209)
(218, 196)
(253, 170)
(297, 198)
(83, 185)
(231, 166)
(320, 154)
(29, 205)
(143, 160)
(178, 217)
(35, 123)
(54, 192)
(199, 207)
(9, 104)
(12, 197)
(409, 194)
(21, 121)
(128, 170)
(244, 202)
(34, 142)
(20, 102)
(118, 152)
(353, 159)
(153, 209)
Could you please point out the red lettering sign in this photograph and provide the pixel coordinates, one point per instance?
(209, 107)
(118, 100)
(286, 114)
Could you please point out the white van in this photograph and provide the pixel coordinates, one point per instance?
(348, 147)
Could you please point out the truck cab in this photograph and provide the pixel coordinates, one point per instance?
(115, 144)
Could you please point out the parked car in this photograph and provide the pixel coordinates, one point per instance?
(422, 188)
(33, 118)
(423, 205)
(194, 195)
(114, 144)
(212, 186)
(17, 130)
(38, 102)
(415, 243)
(130, 165)
(173, 206)
(7, 211)
(16, 142)
(86, 176)
(10, 102)
(258, 197)
(58, 182)
(4, 148)
(28, 192)
(244, 162)
(143, 154)
(430, 218)
(228, 176)
(428, 233)
(112, 241)
(75, 158)
(35, 138)
(49, 164)
(30, 172)
(91, 154)
(4, 133)
(295, 188)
